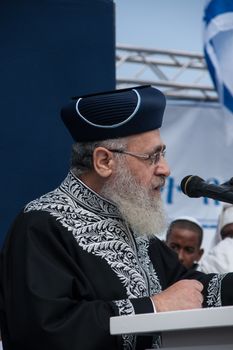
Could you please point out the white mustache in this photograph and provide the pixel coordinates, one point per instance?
(160, 182)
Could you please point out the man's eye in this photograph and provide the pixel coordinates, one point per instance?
(189, 250)
(174, 247)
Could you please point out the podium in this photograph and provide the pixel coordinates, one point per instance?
(198, 329)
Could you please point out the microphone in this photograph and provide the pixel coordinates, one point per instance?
(195, 186)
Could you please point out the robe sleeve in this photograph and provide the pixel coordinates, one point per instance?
(48, 301)
(218, 288)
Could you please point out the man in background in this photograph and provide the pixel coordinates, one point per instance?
(184, 236)
(220, 257)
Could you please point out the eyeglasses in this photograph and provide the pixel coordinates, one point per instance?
(153, 158)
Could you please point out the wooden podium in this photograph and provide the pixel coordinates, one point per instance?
(199, 329)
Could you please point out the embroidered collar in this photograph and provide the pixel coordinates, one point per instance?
(86, 197)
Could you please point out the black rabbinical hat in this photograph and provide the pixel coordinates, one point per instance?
(114, 114)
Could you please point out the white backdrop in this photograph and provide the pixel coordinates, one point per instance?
(198, 143)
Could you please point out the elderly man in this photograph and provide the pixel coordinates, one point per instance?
(87, 250)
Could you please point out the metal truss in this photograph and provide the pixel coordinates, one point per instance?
(178, 74)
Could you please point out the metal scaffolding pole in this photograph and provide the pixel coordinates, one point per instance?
(180, 75)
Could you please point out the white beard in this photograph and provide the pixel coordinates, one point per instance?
(143, 211)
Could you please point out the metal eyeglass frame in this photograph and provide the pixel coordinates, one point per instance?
(153, 158)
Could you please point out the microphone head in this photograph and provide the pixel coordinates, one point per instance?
(190, 185)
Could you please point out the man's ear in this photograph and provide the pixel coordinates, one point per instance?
(103, 162)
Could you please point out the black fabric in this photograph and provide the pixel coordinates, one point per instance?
(52, 300)
(114, 114)
(59, 293)
(227, 290)
(108, 110)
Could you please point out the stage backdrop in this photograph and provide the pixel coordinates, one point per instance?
(197, 144)
(50, 50)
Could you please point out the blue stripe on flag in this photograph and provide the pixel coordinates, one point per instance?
(211, 68)
(227, 100)
(216, 8)
(218, 48)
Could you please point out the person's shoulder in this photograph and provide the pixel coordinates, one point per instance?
(219, 259)
(160, 245)
(222, 249)
(36, 213)
(156, 241)
(28, 221)
(36, 226)
(225, 243)
(44, 202)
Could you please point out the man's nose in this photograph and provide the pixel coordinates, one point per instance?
(181, 255)
(163, 167)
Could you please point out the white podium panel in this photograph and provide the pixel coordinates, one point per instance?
(210, 328)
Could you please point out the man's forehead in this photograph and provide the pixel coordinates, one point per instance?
(150, 139)
(184, 234)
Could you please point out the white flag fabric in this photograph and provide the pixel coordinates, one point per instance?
(218, 47)
(194, 133)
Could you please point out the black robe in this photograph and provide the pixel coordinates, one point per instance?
(70, 263)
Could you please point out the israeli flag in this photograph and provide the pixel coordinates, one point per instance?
(218, 47)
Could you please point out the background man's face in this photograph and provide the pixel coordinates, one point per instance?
(185, 243)
(227, 231)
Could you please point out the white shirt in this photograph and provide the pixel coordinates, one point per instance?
(219, 259)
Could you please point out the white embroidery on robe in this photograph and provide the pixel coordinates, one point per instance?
(125, 307)
(214, 291)
(153, 281)
(99, 230)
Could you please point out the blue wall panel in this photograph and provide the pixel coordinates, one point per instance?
(50, 50)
